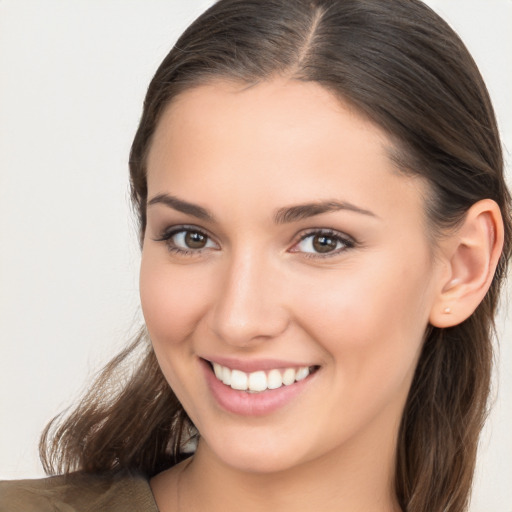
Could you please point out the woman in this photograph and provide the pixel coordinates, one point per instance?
(325, 344)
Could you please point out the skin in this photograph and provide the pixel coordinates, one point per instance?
(255, 291)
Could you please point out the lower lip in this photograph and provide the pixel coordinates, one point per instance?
(252, 404)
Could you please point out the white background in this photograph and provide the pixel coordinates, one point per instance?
(72, 78)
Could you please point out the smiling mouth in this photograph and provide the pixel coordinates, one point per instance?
(259, 381)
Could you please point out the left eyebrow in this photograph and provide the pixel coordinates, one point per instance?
(303, 211)
(182, 206)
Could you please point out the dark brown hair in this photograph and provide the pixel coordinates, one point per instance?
(400, 65)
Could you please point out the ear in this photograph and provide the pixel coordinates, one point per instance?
(470, 257)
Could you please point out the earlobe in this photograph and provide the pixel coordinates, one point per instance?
(471, 254)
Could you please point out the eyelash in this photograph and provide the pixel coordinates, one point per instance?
(168, 234)
(346, 241)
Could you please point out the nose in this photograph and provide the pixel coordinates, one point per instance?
(249, 306)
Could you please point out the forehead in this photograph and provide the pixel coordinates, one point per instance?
(287, 140)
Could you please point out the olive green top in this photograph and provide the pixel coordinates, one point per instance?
(78, 492)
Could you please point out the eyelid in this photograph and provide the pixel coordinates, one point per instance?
(172, 230)
(167, 233)
(347, 241)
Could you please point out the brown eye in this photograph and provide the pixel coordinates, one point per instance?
(195, 240)
(324, 243)
(186, 241)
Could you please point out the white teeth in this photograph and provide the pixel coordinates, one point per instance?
(239, 380)
(274, 379)
(226, 376)
(289, 376)
(217, 368)
(302, 373)
(258, 381)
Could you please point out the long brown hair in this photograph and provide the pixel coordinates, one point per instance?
(404, 68)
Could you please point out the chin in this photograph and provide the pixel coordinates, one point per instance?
(257, 454)
(258, 461)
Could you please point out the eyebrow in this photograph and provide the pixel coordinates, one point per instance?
(182, 206)
(283, 215)
(303, 211)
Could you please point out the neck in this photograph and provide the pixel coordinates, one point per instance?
(352, 481)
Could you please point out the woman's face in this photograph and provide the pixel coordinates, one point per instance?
(283, 246)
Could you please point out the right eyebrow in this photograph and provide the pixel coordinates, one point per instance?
(182, 206)
(303, 211)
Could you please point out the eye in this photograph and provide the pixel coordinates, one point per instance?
(191, 239)
(186, 240)
(323, 243)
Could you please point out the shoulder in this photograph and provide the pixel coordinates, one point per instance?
(78, 492)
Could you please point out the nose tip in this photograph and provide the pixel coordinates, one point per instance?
(244, 321)
(248, 307)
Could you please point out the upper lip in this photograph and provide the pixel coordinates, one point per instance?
(253, 365)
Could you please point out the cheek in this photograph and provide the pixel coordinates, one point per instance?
(370, 318)
(173, 302)
(173, 299)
